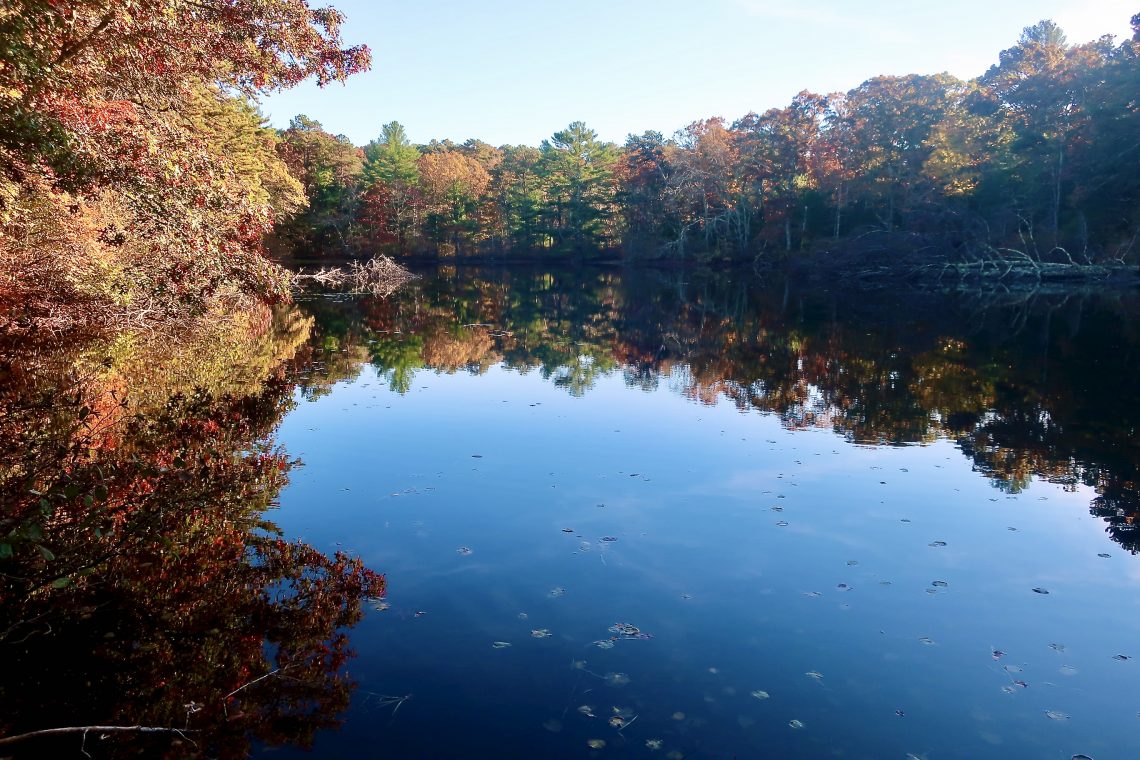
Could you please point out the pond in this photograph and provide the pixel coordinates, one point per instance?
(662, 513)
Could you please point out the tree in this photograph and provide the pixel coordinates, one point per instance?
(452, 184)
(578, 170)
(392, 161)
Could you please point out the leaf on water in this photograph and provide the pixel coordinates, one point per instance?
(940, 584)
(463, 551)
(541, 633)
(596, 743)
(1056, 715)
(1102, 555)
(500, 644)
(617, 679)
(567, 530)
(655, 744)
(997, 654)
(1057, 647)
(557, 591)
(937, 543)
(1121, 657)
(927, 640)
(797, 724)
(814, 674)
(761, 694)
(852, 562)
(604, 644)
(782, 524)
(1039, 590)
(61, 582)
(523, 616)
(609, 539)
(900, 713)
(587, 710)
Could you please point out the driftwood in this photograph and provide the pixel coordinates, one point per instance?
(378, 276)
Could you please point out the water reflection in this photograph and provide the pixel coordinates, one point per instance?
(1028, 385)
(140, 581)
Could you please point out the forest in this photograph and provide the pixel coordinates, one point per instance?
(1034, 160)
(139, 181)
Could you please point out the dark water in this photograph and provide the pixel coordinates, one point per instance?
(684, 514)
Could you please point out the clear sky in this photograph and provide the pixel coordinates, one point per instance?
(515, 71)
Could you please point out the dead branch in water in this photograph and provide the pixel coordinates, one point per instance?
(379, 276)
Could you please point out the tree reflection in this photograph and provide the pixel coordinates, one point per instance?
(1028, 385)
(140, 582)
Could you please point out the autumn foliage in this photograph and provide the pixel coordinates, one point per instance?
(136, 181)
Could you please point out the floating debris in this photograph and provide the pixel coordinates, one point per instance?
(797, 724)
(1057, 647)
(900, 713)
(927, 640)
(557, 591)
(777, 509)
(1039, 590)
(419, 613)
(500, 644)
(815, 674)
(852, 562)
(608, 539)
(616, 679)
(1055, 715)
(604, 644)
(596, 743)
(624, 629)
(761, 694)
(812, 593)
(567, 530)
(380, 606)
(463, 551)
(617, 722)
(997, 654)
(587, 710)
(523, 616)
(1121, 657)
(937, 543)
(655, 744)
(541, 633)
(939, 584)
(1102, 555)
(782, 524)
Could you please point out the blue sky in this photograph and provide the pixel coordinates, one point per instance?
(512, 71)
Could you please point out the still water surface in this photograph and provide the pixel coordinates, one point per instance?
(695, 516)
(620, 514)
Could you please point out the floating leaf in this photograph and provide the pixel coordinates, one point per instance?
(937, 543)
(500, 644)
(541, 633)
(797, 724)
(604, 644)
(557, 591)
(939, 584)
(655, 744)
(596, 743)
(1121, 657)
(814, 674)
(587, 711)
(1102, 555)
(927, 640)
(617, 679)
(1057, 647)
(463, 551)
(1039, 590)
(761, 694)
(609, 539)
(1055, 715)
(782, 524)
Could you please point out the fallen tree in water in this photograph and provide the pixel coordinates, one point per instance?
(378, 276)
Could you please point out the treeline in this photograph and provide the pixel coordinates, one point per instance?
(1041, 154)
(137, 179)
